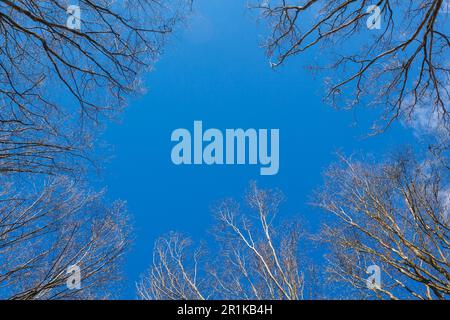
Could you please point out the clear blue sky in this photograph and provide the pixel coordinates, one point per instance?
(216, 71)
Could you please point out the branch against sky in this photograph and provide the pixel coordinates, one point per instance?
(43, 233)
(56, 82)
(394, 215)
(253, 259)
(403, 65)
(175, 271)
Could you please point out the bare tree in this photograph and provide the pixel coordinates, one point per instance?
(402, 68)
(57, 81)
(394, 215)
(43, 233)
(250, 259)
(174, 274)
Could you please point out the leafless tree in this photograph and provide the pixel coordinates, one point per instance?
(43, 233)
(174, 274)
(57, 81)
(402, 68)
(251, 258)
(394, 215)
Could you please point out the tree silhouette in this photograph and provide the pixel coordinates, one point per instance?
(57, 82)
(402, 68)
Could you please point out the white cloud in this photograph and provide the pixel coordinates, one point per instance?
(444, 198)
(427, 121)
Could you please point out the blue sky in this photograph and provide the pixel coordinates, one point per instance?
(215, 70)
